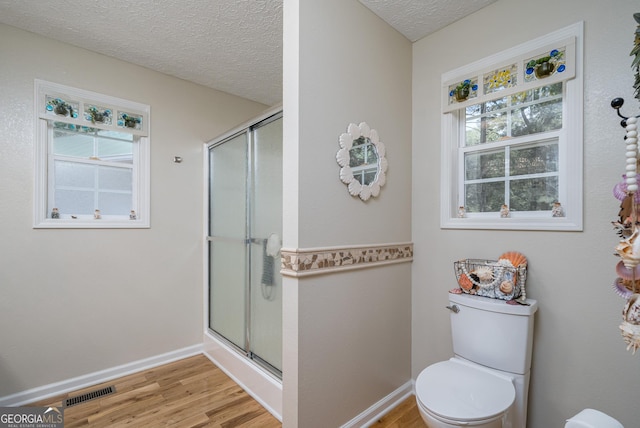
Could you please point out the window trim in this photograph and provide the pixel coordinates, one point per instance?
(141, 181)
(570, 149)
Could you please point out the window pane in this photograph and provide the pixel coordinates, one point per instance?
(111, 178)
(115, 150)
(74, 201)
(486, 128)
(524, 113)
(535, 118)
(114, 203)
(473, 134)
(495, 126)
(74, 174)
(481, 165)
(69, 143)
(534, 194)
(484, 197)
(534, 160)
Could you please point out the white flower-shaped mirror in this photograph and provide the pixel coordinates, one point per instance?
(362, 160)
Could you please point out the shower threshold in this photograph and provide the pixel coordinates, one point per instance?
(262, 381)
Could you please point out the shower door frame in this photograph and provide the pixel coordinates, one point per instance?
(259, 380)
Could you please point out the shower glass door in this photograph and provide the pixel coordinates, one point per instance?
(245, 229)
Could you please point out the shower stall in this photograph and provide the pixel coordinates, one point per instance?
(243, 334)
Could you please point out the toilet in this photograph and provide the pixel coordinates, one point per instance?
(590, 418)
(486, 383)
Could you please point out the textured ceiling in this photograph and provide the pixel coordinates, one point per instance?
(418, 18)
(231, 45)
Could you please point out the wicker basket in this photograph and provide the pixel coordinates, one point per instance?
(489, 278)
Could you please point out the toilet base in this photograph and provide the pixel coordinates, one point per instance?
(433, 422)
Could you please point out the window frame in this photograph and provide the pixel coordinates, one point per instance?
(44, 158)
(570, 146)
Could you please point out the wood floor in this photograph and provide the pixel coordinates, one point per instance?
(405, 415)
(188, 393)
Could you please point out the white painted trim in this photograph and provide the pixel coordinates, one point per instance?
(45, 391)
(258, 383)
(370, 416)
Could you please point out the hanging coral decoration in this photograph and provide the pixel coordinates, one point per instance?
(627, 285)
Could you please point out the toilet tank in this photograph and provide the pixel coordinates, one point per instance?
(492, 332)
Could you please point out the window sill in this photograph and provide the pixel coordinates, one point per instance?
(551, 224)
(91, 224)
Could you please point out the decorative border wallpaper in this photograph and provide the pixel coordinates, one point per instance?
(314, 261)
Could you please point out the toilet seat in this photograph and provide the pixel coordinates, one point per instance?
(454, 391)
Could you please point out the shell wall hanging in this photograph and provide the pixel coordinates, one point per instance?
(627, 284)
(363, 162)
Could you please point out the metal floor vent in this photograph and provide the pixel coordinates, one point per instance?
(89, 396)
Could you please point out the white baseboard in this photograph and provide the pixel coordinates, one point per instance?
(62, 387)
(262, 386)
(370, 416)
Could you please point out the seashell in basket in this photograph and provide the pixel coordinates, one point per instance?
(514, 257)
(506, 287)
(484, 273)
(465, 282)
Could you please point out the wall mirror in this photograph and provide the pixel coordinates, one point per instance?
(362, 161)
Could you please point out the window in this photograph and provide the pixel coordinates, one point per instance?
(92, 160)
(512, 138)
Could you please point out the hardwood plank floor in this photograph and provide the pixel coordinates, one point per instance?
(188, 393)
(404, 415)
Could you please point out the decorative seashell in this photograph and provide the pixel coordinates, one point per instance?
(631, 310)
(354, 130)
(355, 188)
(484, 273)
(630, 327)
(464, 282)
(384, 165)
(382, 178)
(365, 193)
(381, 149)
(514, 257)
(630, 284)
(506, 287)
(375, 189)
(342, 157)
(628, 251)
(374, 137)
(346, 141)
(620, 190)
(455, 291)
(621, 289)
(346, 175)
(365, 131)
(631, 335)
(627, 273)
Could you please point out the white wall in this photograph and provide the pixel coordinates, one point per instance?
(74, 302)
(579, 357)
(347, 335)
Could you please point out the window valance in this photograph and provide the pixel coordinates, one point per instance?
(80, 109)
(497, 77)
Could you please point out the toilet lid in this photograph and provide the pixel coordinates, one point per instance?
(459, 392)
